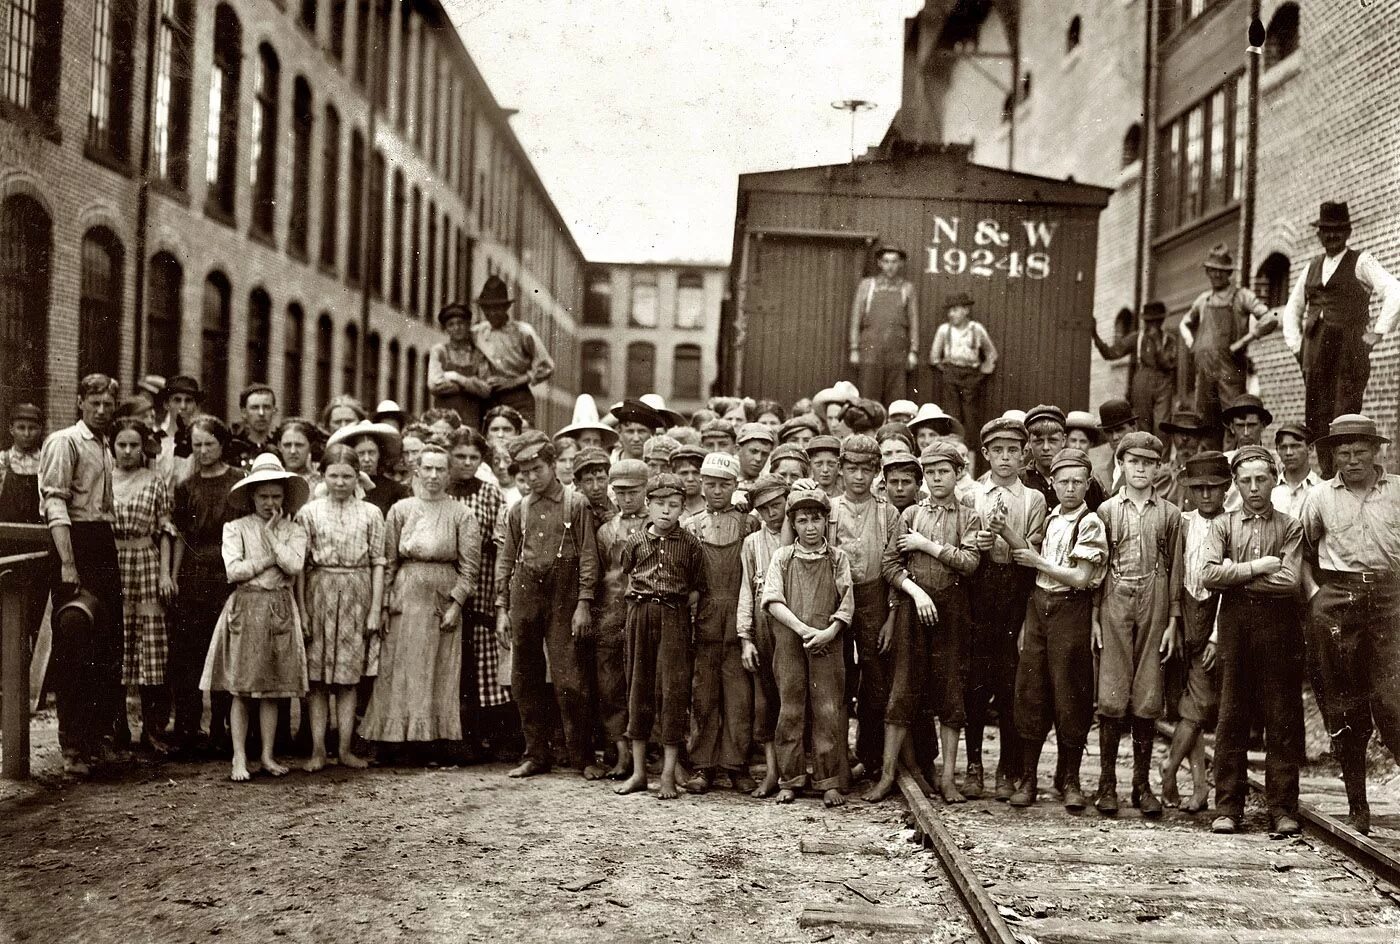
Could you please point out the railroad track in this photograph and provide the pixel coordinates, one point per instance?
(1044, 875)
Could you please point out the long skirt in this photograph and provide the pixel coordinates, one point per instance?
(420, 666)
(257, 650)
(337, 609)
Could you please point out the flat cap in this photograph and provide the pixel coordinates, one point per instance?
(664, 486)
(1252, 454)
(628, 472)
(591, 458)
(789, 451)
(823, 444)
(1038, 414)
(1208, 467)
(942, 451)
(858, 448)
(721, 465)
(529, 445)
(1070, 457)
(901, 459)
(718, 427)
(688, 453)
(1140, 444)
(659, 447)
(756, 431)
(1293, 429)
(796, 424)
(810, 498)
(765, 488)
(26, 411)
(1003, 427)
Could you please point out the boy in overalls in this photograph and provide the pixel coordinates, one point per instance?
(1217, 319)
(768, 495)
(884, 328)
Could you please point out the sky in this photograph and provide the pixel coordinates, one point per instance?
(639, 115)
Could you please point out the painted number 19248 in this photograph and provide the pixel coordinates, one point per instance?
(984, 263)
(991, 252)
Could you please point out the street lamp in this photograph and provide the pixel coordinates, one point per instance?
(853, 105)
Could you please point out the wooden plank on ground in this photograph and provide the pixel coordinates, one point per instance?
(1166, 860)
(864, 917)
(828, 847)
(1057, 931)
(1263, 902)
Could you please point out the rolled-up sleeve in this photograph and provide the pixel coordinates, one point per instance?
(775, 584)
(57, 463)
(845, 589)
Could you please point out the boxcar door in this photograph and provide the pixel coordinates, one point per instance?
(797, 303)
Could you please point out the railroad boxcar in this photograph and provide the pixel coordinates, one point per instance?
(1022, 246)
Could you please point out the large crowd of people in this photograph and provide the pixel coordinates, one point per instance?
(713, 589)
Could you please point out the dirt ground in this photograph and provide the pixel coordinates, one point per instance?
(178, 853)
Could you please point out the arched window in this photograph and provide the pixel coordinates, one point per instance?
(170, 145)
(354, 247)
(350, 363)
(259, 336)
(392, 384)
(685, 373)
(595, 368)
(372, 349)
(1124, 323)
(221, 161)
(325, 341)
(644, 299)
(330, 187)
(100, 304)
(641, 368)
(1072, 34)
(299, 219)
(337, 30)
(109, 101)
(375, 225)
(263, 163)
(690, 300)
(431, 287)
(1281, 38)
(1132, 145)
(308, 15)
(31, 34)
(410, 387)
(164, 313)
(415, 243)
(291, 358)
(362, 41)
(26, 243)
(213, 359)
(1271, 280)
(396, 242)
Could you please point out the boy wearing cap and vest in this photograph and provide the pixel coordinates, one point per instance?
(1046, 434)
(685, 465)
(769, 499)
(1055, 672)
(721, 691)
(1254, 557)
(927, 641)
(1296, 475)
(809, 596)
(546, 579)
(862, 526)
(1135, 618)
(665, 568)
(1217, 329)
(824, 453)
(1205, 476)
(964, 354)
(1352, 581)
(1188, 434)
(1012, 516)
(884, 328)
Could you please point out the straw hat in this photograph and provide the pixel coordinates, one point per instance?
(843, 391)
(268, 468)
(384, 435)
(585, 419)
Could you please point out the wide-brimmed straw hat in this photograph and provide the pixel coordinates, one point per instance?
(268, 468)
(384, 435)
(658, 403)
(587, 419)
(1350, 427)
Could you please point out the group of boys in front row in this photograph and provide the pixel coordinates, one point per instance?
(759, 616)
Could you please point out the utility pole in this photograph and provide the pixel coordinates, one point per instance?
(853, 105)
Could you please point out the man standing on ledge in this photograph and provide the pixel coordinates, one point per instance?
(1218, 327)
(514, 354)
(1326, 322)
(884, 330)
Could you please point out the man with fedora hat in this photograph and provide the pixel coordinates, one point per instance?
(1116, 420)
(1219, 325)
(1152, 381)
(884, 329)
(513, 356)
(1351, 575)
(1326, 321)
(963, 353)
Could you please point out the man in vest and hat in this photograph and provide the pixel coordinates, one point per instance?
(1218, 327)
(1326, 322)
(1153, 381)
(884, 329)
(514, 354)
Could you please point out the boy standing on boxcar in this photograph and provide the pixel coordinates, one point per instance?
(1055, 676)
(1012, 516)
(1135, 618)
(722, 692)
(665, 568)
(808, 593)
(769, 499)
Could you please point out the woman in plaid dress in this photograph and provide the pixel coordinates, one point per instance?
(141, 506)
(486, 705)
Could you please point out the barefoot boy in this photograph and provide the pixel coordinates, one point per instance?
(768, 495)
(929, 563)
(665, 570)
(808, 591)
(1055, 674)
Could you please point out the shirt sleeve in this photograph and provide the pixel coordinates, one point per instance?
(892, 561)
(748, 563)
(857, 315)
(468, 556)
(1171, 530)
(1092, 543)
(1190, 321)
(375, 537)
(289, 547)
(1035, 520)
(505, 558)
(774, 585)
(1215, 573)
(57, 465)
(965, 557)
(911, 311)
(989, 350)
(1372, 273)
(1124, 346)
(1291, 318)
(1289, 577)
(1251, 305)
(939, 349)
(541, 364)
(237, 567)
(845, 590)
(393, 527)
(437, 383)
(582, 517)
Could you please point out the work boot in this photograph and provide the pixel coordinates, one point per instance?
(1057, 786)
(1143, 798)
(1005, 785)
(973, 785)
(1110, 733)
(1073, 795)
(1026, 787)
(1352, 756)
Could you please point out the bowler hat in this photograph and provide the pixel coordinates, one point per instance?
(1186, 421)
(1154, 311)
(390, 410)
(657, 403)
(494, 292)
(183, 383)
(1115, 413)
(1349, 427)
(1333, 216)
(1246, 403)
(1219, 258)
(891, 247)
(957, 300)
(1206, 468)
(454, 310)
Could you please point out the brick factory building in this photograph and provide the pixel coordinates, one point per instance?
(273, 202)
(1057, 88)
(651, 327)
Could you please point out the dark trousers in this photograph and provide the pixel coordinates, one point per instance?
(812, 719)
(658, 671)
(85, 669)
(765, 686)
(604, 666)
(999, 594)
(1055, 674)
(965, 393)
(541, 616)
(873, 694)
(203, 590)
(1260, 654)
(884, 375)
(468, 693)
(519, 399)
(1336, 368)
(1353, 641)
(721, 706)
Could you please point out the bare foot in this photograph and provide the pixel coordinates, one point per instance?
(272, 768)
(315, 762)
(765, 789)
(786, 795)
(637, 783)
(528, 768)
(1198, 800)
(880, 791)
(1171, 796)
(353, 760)
(239, 773)
(620, 771)
(666, 788)
(834, 798)
(594, 772)
(949, 788)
